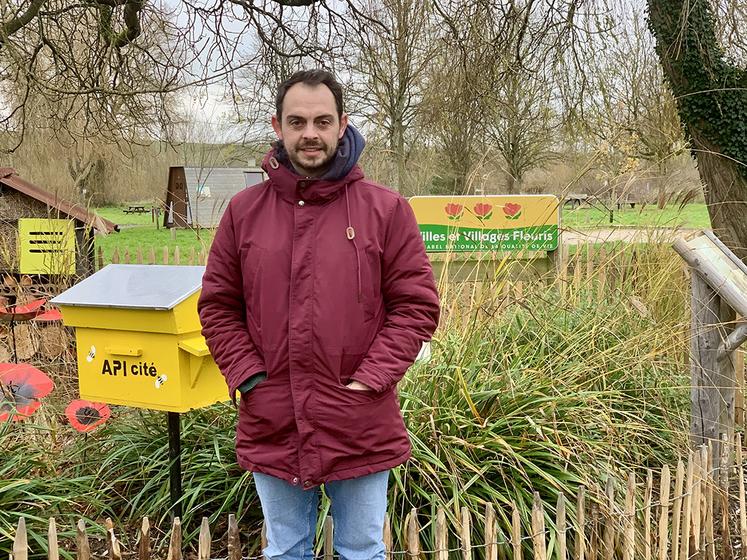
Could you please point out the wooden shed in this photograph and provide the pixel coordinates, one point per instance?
(41, 233)
(198, 196)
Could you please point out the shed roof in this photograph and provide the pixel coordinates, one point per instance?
(11, 179)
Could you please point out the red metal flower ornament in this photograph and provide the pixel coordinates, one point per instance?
(22, 312)
(21, 388)
(84, 416)
(49, 316)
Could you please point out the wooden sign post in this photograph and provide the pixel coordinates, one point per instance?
(719, 293)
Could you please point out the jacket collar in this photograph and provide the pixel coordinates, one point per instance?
(291, 186)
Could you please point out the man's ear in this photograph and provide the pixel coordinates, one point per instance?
(343, 125)
(276, 127)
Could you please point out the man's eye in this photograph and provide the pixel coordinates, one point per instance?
(325, 123)
(295, 123)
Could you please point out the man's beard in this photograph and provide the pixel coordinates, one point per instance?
(296, 154)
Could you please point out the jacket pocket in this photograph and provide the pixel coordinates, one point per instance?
(372, 296)
(251, 257)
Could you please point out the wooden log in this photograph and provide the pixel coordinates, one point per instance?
(647, 541)
(629, 519)
(115, 256)
(686, 510)
(53, 548)
(560, 527)
(139, 255)
(234, 539)
(152, 256)
(742, 500)
(538, 529)
(608, 536)
(388, 547)
(577, 274)
(177, 255)
(466, 534)
(127, 256)
(204, 540)
(81, 538)
(664, 513)
(581, 523)
(191, 256)
(143, 547)
(100, 258)
(165, 253)
(329, 538)
(491, 544)
(413, 534)
(442, 539)
(516, 532)
(734, 340)
(175, 541)
(713, 382)
(703, 498)
(20, 542)
(677, 509)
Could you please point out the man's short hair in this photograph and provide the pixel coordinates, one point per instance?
(310, 78)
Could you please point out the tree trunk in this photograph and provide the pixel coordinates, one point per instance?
(712, 102)
(725, 194)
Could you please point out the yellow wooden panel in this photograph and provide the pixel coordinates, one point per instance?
(47, 246)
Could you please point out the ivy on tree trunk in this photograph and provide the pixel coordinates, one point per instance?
(711, 94)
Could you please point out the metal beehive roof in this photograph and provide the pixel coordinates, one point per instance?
(135, 286)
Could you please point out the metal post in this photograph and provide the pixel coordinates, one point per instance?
(175, 462)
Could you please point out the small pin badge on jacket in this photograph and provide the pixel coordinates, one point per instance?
(350, 233)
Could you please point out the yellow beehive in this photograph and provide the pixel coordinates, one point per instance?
(138, 338)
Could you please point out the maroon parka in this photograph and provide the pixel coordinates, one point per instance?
(318, 283)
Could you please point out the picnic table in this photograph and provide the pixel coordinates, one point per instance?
(136, 209)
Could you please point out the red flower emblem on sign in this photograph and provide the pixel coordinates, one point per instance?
(84, 416)
(21, 387)
(454, 211)
(512, 211)
(483, 210)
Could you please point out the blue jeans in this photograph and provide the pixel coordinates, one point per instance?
(358, 507)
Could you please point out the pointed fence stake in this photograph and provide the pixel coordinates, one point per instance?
(538, 529)
(84, 549)
(143, 546)
(20, 550)
(204, 541)
(581, 523)
(329, 538)
(664, 513)
(516, 532)
(560, 528)
(53, 550)
(466, 531)
(234, 539)
(441, 540)
(175, 542)
(491, 545)
(388, 537)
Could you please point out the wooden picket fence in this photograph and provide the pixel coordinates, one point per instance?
(153, 255)
(650, 520)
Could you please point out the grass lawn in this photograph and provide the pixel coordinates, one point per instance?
(138, 230)
(691, 216)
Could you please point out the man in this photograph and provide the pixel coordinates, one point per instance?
(316, 299)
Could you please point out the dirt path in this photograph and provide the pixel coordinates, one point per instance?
(630, 235)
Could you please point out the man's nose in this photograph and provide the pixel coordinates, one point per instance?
(310, 131)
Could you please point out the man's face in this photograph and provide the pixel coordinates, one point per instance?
(310, 128)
